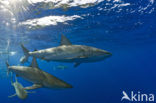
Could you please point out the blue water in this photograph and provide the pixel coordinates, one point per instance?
(128, 32)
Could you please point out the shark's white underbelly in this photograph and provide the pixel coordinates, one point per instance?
(79, 60)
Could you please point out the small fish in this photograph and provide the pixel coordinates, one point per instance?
(62, 67)
(19, 89)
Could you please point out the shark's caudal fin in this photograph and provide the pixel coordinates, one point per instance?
(7, 64)
(65, 40)
(16, 79)
(26, 54)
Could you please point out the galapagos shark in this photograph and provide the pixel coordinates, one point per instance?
(67, 52)
(19, 89)
(38, 77)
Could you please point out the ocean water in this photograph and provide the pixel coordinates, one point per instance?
(126, 28)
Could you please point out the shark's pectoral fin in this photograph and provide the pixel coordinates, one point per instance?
(76, 64)
(35, 86)
(12, 95)
(65, 41)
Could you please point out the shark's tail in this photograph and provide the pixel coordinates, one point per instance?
(8, 70)
(26, 54)
(7, 64)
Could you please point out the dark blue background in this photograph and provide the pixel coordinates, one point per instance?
(129, 36)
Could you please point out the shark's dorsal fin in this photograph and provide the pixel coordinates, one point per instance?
(34, 63)
(65, 40)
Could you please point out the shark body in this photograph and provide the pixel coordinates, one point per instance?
(38, 77)
(67, 52)
(19, 90)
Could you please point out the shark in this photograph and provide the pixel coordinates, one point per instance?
(38, 77)
(67, 52)
(19, 89)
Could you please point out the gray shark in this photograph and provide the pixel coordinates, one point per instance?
(38, 77)
(67, 52)
(19, 89)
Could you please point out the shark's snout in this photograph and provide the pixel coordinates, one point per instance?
(103, 53)
(108, 53)
(14, 69)
(69, 86)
